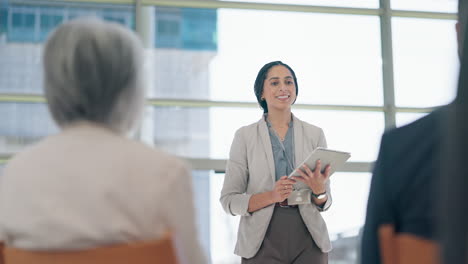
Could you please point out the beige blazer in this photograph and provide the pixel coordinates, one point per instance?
(251, 170)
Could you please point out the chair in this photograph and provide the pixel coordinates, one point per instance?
(1, 253)
(150, 252)
(405, 248)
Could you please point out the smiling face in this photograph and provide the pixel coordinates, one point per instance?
(279, 89)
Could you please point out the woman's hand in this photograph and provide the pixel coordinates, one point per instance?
(314, 179)
(282, 190)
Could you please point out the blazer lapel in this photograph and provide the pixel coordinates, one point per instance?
(298, 141)
(265, 136)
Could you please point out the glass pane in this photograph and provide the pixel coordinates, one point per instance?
(328, 71)
(406, 118)
(168, 27)
(24, 28)
(50, 18)
(182, 131)
(346, 234)
(195, 132)
(339, 3)
(426, 66)
(202, 199)
(225, 122)
(223, 226)
(355, 132)
(186, 28)
(3, 22)
(449, 6)
(23, 124)
(22, 25)
(208, 132)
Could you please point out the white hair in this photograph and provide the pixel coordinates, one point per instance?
(93, 72)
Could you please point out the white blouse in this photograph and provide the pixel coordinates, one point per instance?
(87, 187)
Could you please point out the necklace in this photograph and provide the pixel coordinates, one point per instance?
(279, 137)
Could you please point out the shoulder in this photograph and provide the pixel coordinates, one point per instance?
(309, 128)
(32, 154)
(153, 164)
(67, 149)
(410, 148)
(421, 129)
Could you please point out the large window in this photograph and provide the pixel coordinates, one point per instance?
(337, 3)
(355, 132)
(349, 191)
(222, 226)
(202, 62)
(449, 6)
(23, 124)
(26, 27)
(328, 71)
(426, 64)
(182, 131)
(406, 118)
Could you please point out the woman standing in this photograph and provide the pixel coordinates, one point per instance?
(256, 186)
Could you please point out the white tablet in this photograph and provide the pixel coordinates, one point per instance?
(335, 158)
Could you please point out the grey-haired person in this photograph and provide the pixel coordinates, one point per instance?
(90, 184)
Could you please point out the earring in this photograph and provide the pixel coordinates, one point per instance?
(263, 98)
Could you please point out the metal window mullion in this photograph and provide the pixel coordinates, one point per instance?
(144, 19)
(263, 6)
(74, 3)
(219, 165)
(249, 6)
(166, 102)
(419, 14)
(387, 64)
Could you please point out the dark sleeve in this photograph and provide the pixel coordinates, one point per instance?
(378, 207)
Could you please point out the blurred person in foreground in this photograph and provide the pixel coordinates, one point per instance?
(453, 205)
(90, 185)
(273, 230)
(405, 189)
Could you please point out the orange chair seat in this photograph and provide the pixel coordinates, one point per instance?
(151, 252)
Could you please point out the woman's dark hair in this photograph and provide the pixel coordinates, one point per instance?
(261, 76)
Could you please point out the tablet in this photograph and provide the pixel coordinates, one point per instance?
(328, 156)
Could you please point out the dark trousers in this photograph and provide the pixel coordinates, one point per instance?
(287, 241)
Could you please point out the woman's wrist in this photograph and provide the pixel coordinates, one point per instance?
(319, 202)
(318, 190)
(271, 195)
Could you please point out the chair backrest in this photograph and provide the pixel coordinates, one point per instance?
(404, 248)
(1, 253)
(151, 252)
